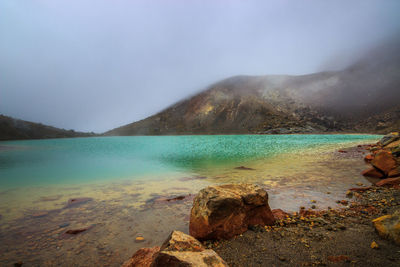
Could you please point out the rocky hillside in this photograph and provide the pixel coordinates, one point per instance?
(14, 129)
(364, 97)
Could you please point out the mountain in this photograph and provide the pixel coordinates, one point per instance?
(364, 97)
(14, 129)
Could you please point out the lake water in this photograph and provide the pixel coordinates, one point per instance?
(125, 180)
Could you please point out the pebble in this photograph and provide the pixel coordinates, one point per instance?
(139, 239)
(374, 245)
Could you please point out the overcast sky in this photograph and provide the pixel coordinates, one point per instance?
(93, 65)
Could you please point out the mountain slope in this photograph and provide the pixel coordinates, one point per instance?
(14, 129)
(364, 97)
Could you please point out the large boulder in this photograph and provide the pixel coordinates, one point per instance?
(183, 250)
(221, 212)
(384, 162)
(388, 226)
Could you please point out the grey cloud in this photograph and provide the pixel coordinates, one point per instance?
(94, 65)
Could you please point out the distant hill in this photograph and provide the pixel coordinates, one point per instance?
(14, 129)
(364, 97)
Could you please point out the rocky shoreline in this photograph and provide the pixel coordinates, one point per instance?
(235, 222)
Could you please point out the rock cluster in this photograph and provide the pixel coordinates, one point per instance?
(222, 212)
(178, 250)
(218, 212)
(384, 158)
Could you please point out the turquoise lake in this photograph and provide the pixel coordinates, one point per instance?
(82, 160)
(125, 184)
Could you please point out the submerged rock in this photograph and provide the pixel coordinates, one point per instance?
(388, 226)
(244, 168)
(40, 214)
(228, 210)
(72, 202)
(139, 239)
(76, 231)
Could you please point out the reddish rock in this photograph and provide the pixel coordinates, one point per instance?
(176, 198)
(143, 257)
(338, 258)
(228, 210)
(279, 214)
(342, 151)
(395, 172)
(389, 182)
(360, 189)
(372, 172)
(76, 231)
(368, 158)
(384, 162)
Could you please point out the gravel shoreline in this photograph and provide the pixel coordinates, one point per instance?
(327, 238)
(333, 237)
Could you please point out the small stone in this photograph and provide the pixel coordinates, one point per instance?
(359, 184)
(349, 194)
(313, 207)
(313, 201)
(341, 226)
(281, 258)
(374, 245)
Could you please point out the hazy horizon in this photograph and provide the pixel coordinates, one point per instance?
(96, 65)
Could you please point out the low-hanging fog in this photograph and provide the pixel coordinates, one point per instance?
(92, 65)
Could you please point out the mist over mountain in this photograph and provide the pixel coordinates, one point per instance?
(364, 97)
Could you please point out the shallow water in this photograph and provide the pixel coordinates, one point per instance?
(125, 178)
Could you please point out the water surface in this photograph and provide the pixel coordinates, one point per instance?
(126, 179)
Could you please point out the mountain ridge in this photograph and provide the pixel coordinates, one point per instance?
(16, 129)
(364, 97)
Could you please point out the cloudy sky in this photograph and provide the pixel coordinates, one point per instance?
(93, 65)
